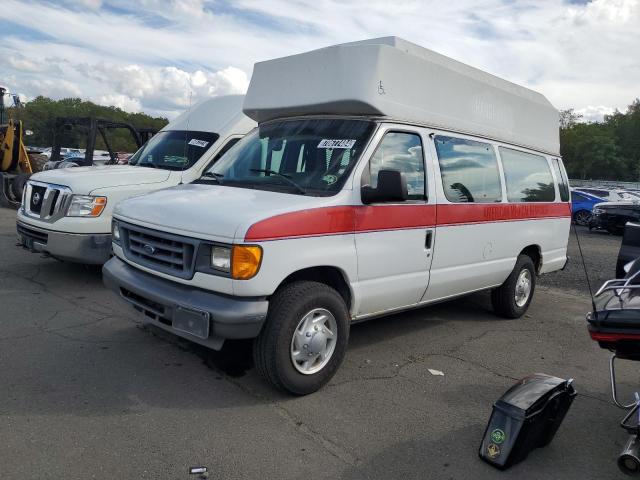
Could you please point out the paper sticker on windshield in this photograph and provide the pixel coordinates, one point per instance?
(198, 143)
(328, 143)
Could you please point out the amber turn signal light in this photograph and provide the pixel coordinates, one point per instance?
(245, 261)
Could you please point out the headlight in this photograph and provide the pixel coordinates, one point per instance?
(115, 231)
(221, 258)
(598, 211)
(241, 261)
(86, 206)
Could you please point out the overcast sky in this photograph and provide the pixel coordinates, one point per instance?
(147, 55)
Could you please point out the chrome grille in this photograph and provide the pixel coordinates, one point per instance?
(161, 251)
(46, 201)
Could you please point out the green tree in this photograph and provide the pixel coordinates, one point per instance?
(607, 150)
(39, 116)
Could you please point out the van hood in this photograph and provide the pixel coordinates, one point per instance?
(83, 180)
(621, 203)
(213, 212)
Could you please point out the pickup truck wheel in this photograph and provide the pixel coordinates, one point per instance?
(512, 298)
(304, 339)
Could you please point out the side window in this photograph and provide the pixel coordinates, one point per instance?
(224, 150)
(400, 151)
(576, 197)
(528, 176)
(563, 185)
(469, 170)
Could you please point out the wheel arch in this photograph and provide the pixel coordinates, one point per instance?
(534, 252)
(331, 276)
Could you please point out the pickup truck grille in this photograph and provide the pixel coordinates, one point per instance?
(161, 251)
(46, 201)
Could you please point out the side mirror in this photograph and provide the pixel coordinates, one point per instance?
(392, 187)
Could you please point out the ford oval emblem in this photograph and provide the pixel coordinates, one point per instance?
(36, 198)
(150, 249)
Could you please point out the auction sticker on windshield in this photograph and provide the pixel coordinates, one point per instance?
(328, 143)
(198, 143)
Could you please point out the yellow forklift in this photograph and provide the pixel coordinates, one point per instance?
(15, 165)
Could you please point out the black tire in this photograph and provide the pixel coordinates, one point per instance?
(17, 185)
(582, 218)
(272, 348)
(503, 298)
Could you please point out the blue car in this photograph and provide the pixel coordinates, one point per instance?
(581, 205)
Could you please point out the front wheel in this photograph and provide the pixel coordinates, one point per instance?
(512, 298)
(304, 339)
(582, 217)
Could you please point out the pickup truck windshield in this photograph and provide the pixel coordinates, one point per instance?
(303, 157)
(173, 149)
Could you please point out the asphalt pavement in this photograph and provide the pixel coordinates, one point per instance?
(88, 392)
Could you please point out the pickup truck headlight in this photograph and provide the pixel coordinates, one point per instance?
(86, 206)
(598, 211)
(241, 261)
(115, 232)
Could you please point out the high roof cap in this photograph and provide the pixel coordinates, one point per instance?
(394, 78)
(216, 114)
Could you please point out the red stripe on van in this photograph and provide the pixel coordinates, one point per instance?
(305, 223)
(360, 218)
(449, 214)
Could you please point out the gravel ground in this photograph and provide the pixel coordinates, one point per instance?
(600, 251)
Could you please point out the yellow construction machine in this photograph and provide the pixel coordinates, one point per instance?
(15, 166)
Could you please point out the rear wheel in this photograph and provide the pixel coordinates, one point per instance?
(304, 339)
(582, 217)
(512, 298)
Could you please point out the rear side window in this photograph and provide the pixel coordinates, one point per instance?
(577, 197)
(563, 184)
(403, 152)
(527, 176)
(469, 170)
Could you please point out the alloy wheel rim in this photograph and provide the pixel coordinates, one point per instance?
(523, 287)
(314, 341)
(582, 218)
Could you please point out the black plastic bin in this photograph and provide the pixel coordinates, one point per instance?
(527, 416)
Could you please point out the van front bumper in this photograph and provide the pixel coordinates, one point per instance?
(87, 248)
(161, 300)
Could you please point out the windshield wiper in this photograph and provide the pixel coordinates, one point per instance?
(280, 175)
(211, 176)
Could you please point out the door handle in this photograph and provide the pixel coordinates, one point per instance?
(428, 240)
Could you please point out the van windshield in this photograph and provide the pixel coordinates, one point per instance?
(306, 156)
(173, 149)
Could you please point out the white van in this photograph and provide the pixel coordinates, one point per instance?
(382, 177)
(66, 213)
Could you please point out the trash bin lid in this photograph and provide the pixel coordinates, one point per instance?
(530, 393)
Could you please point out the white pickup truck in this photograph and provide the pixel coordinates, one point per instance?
(66, 213)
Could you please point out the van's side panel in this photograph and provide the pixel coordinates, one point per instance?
(477, 244)
(283, 257)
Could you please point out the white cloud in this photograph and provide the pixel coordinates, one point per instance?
(121, 101)
(578, 55)
(593, 113)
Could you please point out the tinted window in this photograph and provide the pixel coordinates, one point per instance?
(310, 156)
(403, 152)
(576, 197)
(469, 170)
(563, 185)
(527, 176)
(173, 149)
